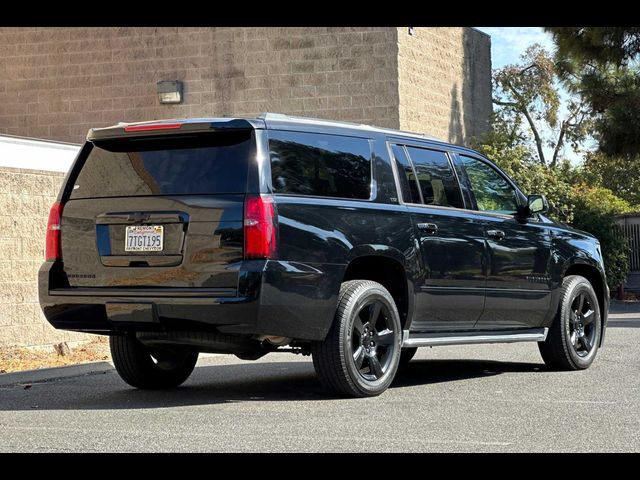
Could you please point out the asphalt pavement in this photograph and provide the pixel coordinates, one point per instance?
(482, 398)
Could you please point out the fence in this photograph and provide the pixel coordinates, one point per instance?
(630, 228)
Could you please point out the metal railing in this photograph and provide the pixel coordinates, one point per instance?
(629, 226)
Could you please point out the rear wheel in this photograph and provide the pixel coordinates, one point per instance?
(572, 342)
(361, 352)
(150, 368)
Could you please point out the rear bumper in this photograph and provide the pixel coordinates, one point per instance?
(272, 298)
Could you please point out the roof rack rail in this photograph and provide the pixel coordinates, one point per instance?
(266, 116)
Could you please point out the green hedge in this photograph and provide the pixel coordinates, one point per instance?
(595, 211)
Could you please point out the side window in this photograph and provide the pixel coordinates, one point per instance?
(320, 165)
(493, 193)
(408, 181)
(437, 181)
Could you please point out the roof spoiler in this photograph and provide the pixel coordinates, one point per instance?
(172, 127)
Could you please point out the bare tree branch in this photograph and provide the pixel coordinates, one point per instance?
(504, 104)
(524, 70)
(563, 130)
(522, 109)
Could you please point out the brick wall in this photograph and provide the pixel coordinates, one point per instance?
(59, 82)
(25, 199)
(56, 83)
(444, 82)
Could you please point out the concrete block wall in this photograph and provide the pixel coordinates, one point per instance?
(56, 83)
(444, 82)
(25, 199)
(59, 82)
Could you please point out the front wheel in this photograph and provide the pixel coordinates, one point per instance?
(150, 368)
(572, 342)
(360, 355)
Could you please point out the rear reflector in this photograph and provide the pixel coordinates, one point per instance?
(53, 249)
(259, 227)
(152, 126)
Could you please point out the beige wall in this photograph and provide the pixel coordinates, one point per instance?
(444, 82)
(56, 83)
(25, 199)
(59, 82)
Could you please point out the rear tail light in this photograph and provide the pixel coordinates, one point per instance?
(53, 249)
(259, 227)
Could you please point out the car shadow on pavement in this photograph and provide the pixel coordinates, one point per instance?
(421, 372)
(223, 384)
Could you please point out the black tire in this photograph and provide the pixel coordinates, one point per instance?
(573, 338)
(406, 355)
(135, 363)
(364, 307)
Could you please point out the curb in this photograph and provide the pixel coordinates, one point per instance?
(625, 316)
(54, 373)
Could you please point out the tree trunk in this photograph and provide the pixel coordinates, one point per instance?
(556, 151)
(518, 108)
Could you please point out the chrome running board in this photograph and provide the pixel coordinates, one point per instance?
(417, 339)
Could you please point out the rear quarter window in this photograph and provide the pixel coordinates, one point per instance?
(320, 165)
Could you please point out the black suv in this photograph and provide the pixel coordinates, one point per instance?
(352, 243)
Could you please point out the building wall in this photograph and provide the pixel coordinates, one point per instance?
(444, 82)
(56, 83)
(25, 199)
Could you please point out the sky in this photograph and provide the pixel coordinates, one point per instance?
(507, 43)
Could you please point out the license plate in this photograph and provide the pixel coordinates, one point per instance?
(144, 238)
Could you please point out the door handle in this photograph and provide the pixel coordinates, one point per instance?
(430, 228)
(495, 234)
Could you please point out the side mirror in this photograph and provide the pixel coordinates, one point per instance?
(537, 204)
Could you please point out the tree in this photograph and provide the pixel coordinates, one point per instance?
(508, 148)
(618, 173)
(595, 212)
(601, 64)
(529, 90)
(615, 46)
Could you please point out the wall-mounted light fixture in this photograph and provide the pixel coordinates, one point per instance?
(170, 91)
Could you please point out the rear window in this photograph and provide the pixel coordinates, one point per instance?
(190, 164)
(320, 165)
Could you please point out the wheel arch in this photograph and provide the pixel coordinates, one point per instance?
(390, 272)
(595, 278)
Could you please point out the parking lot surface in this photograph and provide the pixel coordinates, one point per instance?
(463, 398)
